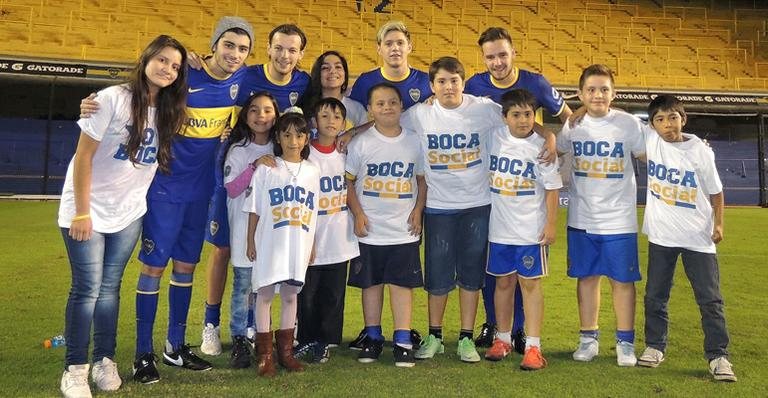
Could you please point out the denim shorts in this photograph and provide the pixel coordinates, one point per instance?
(456, 250)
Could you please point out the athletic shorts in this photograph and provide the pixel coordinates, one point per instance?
(397, 265)
(173, 231)
(527, 261)
(456, 250)
(217, 231)
(614, 255)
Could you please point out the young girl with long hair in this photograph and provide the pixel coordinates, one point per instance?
(281, 229)
(104, 198)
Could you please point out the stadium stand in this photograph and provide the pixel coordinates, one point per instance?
(720, 45)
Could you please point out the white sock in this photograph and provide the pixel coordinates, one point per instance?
(505, 336)
(531, 341)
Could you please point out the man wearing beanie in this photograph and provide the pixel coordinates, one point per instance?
(175, 222)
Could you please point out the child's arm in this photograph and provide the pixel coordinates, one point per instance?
(253, 221)
(343, 139)
(414, 219)
(718, 206)
(550, 228)
(240, 183)
(361, 220)
(548, 153)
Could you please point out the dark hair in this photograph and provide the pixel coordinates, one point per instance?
(314, 91)
(289, 30)
(595, 70)
(241, 131)
(493, 34)
(332, 103)
(384, 85)
(449, 64)
(171, 103)
(287, 121)
(517, 97)
(665, 102)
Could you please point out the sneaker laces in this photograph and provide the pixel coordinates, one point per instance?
(209, 334)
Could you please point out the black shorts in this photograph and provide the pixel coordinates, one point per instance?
(398, 265)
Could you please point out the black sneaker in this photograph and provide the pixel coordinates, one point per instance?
(357, 343)
(518, 341)
(403, 356)
(321, 353)
(185, 358)
(145, 369)
(415, 338)
(303, 349)
(241, 353)
(371, 351)
(487, 334)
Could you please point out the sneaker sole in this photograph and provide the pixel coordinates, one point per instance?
(627, 364)
(212, 353)
(532, 368)
(441, 350)
(467, 360)
(728, 378)
(648, 364)
(366, 360)
(494, 359)
(147, 382)
(404, 364)
(583, 359)
(173, 365)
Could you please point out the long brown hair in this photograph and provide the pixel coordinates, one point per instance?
(170, 103)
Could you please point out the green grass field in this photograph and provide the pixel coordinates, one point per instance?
(35, 279)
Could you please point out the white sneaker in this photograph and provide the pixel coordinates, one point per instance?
(651, 358)
(105, 375)
(74, 382)
(588, 349)
(625, 354)
(721, 369)
(250, 335)
(211, 340)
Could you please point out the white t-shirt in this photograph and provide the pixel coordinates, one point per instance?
(681, 176)
(118, 186)
(518, 183)
(454, 146)
(287, 209)
(603, 192)
(238, 159)
(385, 170)
(335, 239)
(356, 113)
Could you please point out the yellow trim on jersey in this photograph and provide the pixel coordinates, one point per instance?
(562, 107)
(208, 71)
(207, 122)
(392, 79)
(180, 284)
(496, 84)
(146, 292)
(276, 83)
(349, 176)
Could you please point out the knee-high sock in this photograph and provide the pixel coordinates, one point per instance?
(288, 305)
(488, 291)
(263, 316)
(179, 298)
(519, 320)
(147, 292)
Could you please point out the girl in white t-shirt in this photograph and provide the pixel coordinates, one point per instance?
(282, 216)
(251, 144)
(104, 199)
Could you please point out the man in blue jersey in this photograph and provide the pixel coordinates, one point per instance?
(174, 226)
(280, 76)
(502, 76)
(394, 45)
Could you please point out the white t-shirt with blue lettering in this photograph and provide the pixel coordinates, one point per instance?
(681, 176)
(518, 182)
(603, 191)
(385, 169)
(454, 144)
(118, 194)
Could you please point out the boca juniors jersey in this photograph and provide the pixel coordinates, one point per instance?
(287, 95)
(414, 87)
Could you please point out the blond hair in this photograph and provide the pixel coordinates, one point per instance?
(392, 26)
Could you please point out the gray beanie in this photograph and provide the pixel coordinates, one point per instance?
(227, 23)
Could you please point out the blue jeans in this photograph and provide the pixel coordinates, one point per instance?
(97, 270)
(241, 291)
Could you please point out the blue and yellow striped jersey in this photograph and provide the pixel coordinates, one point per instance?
(287, 95)
(210, 109)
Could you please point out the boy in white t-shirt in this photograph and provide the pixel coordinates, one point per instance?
(524, 204)
(683, 216)
(386, 195)
(602, 214)
(321, 301)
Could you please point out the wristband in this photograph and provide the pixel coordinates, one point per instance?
(81, 217)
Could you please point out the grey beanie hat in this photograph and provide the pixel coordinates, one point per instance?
(227, 23)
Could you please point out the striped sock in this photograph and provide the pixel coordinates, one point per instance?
(179, 298)
(147, 292)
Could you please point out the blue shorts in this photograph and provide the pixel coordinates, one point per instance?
(528, 261)
(173, 230)
(614, 256)
(217, 231)
(456, 250)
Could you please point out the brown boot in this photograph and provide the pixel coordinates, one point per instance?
(264, 359)
(285, 351)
